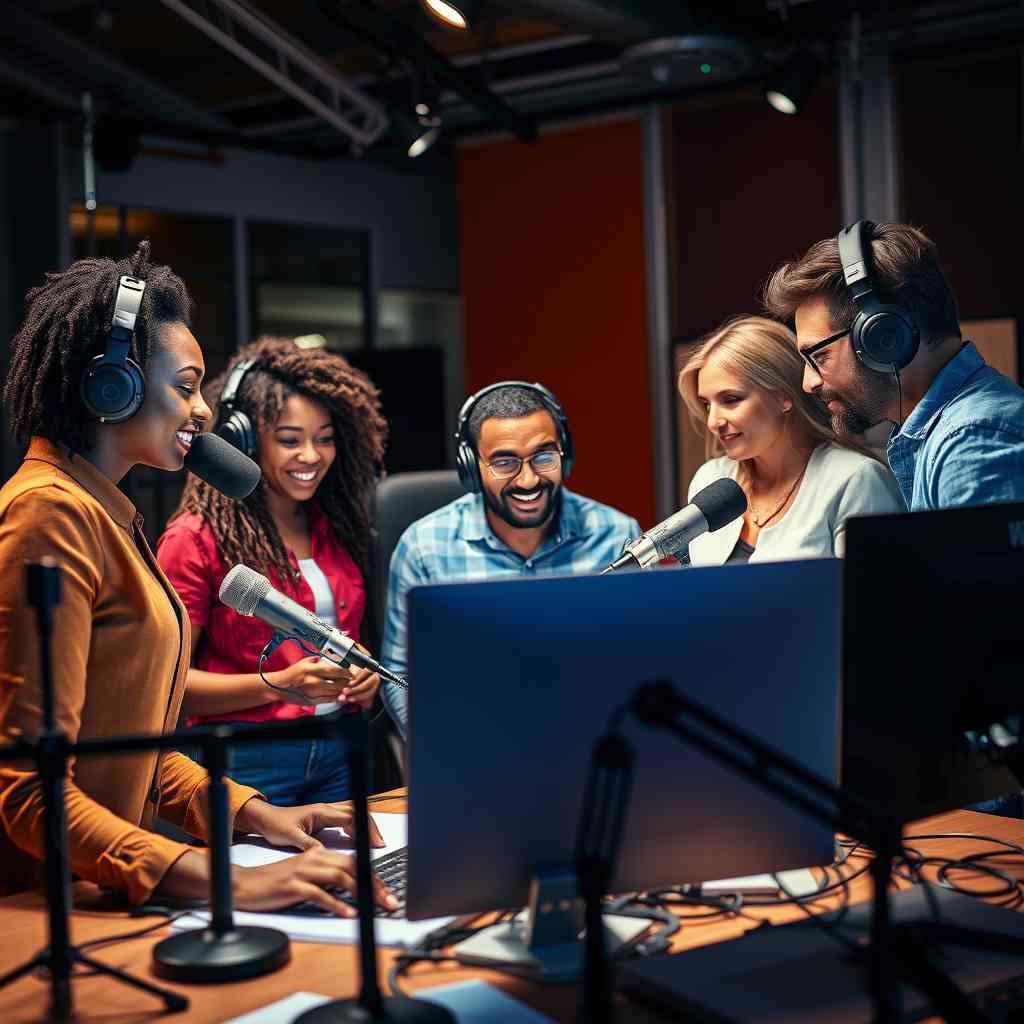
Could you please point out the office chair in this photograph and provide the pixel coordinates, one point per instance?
(399, 501)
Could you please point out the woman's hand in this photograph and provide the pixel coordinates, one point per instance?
(309, 681)
(306, 876)
(361, 689)
(295, 826)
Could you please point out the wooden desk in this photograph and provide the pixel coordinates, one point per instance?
(331, 969)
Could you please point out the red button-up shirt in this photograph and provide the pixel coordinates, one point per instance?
(231, 643)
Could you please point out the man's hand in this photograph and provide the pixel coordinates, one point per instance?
(296, 826)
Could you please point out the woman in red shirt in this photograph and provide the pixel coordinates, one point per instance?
(313, 424)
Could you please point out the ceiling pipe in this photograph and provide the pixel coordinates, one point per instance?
(621, 22)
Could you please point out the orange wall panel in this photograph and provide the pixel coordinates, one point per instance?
(554, 290)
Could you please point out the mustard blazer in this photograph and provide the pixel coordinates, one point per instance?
(120, 656)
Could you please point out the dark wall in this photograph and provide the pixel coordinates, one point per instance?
(748, 188)
(962, 166)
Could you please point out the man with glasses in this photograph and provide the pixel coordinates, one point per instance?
(518, 519)
(877, 324)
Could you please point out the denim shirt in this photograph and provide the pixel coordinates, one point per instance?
(964, 442)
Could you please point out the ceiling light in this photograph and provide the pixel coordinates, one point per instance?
(788, 87)
(460, 14)
(416, 137)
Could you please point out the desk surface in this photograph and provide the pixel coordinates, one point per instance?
(332, 969)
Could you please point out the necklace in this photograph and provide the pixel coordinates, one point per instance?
(755, 513)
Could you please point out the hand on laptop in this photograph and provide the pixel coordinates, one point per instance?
(297, 826)
(306, 877)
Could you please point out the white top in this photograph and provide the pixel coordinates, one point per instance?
(323, 599)
(323, 596)
(838, 483)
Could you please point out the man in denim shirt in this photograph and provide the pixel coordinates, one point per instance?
(957, 434)
(958, 437)
(517, 520)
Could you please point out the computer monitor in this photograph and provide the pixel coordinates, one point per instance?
(932, 656)
(512, 682)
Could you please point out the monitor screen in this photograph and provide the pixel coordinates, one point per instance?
(512, 682)
(931, 655)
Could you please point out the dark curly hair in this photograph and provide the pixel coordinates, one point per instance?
(67, 315)
(244, 531)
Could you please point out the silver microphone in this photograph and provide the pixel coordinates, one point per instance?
(711, 508)
(250, 593)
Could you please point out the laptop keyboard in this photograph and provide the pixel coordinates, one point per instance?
(390, 869)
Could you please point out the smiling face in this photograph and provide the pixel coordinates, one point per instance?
(174, 411)
(747, 420)
(296, 452)
(857, 398)
(529, 499)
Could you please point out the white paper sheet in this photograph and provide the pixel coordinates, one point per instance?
(324, 928)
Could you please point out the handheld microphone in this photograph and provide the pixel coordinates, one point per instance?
(711, 508)
(222, 465)
(250, 593)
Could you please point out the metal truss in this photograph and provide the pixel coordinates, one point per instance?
(295, 69)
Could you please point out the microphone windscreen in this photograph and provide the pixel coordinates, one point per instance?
(222, 465)
(721, 502)
(242, 588)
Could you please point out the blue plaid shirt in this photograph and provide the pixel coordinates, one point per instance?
(964, 442)
(457, 544)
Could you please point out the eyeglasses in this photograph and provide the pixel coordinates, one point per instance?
(507, 466)
(808, 353)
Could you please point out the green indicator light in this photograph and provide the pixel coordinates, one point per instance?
(705, 69)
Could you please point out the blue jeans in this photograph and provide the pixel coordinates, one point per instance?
(292, 772)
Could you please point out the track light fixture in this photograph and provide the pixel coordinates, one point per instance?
(415, 137)
(789, 86)
(460, 14)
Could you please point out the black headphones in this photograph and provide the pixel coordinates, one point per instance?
(465, 456)
(885, 338)
(232, 424)
(112, 386)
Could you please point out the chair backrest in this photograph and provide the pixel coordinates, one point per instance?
(399, 501)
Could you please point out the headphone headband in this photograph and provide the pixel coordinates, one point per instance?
(854, 246)
(232, 424)
(112, 386)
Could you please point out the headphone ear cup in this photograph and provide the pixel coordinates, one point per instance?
(112, 392)
(568, 451)
(238, 430)
(884, 339)
(469, 469)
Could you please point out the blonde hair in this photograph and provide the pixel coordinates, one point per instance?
(763, 354)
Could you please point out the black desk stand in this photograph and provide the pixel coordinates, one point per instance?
(894, 951)
(369, 1005)
(223, 951)
(50, 752)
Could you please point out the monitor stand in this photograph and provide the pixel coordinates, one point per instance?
(547, 936)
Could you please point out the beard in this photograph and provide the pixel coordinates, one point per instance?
(499, 505)
(862, 405)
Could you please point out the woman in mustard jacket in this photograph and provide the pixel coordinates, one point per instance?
(122, 648)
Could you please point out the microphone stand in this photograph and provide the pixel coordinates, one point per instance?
(369, 1005)
(223, 951)
(51, 750)
(893, 949)
(598, 838)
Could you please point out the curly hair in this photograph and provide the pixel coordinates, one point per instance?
(244, 531)
(67, 315)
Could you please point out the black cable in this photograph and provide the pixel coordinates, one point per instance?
(109, 940)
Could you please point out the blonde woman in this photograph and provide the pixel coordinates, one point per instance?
(743, 386)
